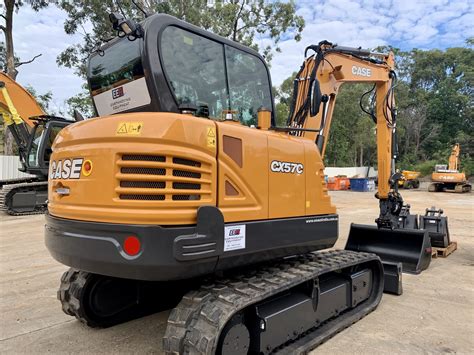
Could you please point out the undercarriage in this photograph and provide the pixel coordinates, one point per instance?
(449, 187)
(287, 306)
(25, 196)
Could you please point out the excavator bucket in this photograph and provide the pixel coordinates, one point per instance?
(437, 225)
(411, 247)
(407, 220)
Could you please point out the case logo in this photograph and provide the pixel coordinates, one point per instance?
(361, 71)
(286, 167)
(66, 169)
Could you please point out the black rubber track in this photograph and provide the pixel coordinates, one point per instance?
(194, 326)
(8, 190)
(70, 294)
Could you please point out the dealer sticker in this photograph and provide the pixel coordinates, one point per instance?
(234, 237)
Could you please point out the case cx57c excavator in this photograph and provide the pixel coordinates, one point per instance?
(184, 190)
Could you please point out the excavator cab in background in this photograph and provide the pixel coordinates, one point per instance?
(448, 177)
(185, 181)
(34, 133)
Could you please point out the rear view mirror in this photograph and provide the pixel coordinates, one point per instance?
(316, 98)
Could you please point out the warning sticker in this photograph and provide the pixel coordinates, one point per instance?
(130, 128)
(234, 237)
(211, 137)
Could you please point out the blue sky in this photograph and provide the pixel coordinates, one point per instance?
(404, 24)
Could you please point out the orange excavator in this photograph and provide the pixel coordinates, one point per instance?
(34, 133)
(449, 178)
(184, 193)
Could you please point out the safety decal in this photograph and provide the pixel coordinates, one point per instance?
(129, 128)
(211, 137)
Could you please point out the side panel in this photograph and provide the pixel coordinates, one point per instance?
(242, 172)
(317, 197)
(287, 176)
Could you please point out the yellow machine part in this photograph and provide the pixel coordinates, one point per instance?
(410, 175)
(454, 177)
(24, 103)
(164, 172)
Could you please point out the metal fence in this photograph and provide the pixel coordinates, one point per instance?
(9, 165)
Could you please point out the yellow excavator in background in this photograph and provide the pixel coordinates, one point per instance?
(449, 178)
(409, 179)
(34, 133)
(184, 192)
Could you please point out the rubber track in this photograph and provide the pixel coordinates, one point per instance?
(9, 189)
(70, 294)
(195, 324)
(18, 180)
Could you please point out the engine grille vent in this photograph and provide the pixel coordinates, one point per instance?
(142, 197)
(131, 157)
(152, 178)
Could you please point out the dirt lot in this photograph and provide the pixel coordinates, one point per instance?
(434, 315)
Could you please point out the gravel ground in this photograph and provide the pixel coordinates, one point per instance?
(434, 315)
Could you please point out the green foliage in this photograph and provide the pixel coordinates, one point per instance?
(240, 20)
(425, 167)
(282, 112)
(44, 100)
(283, 95)
(81, 102)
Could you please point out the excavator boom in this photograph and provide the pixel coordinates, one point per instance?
(315, 92)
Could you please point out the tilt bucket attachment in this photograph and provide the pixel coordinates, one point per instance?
(411, 247)
(437, 225)
(407, 220)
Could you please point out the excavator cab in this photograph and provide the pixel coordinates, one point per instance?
(39, 148)
(34, 133)
(176, 67)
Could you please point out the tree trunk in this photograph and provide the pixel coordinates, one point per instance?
(361, 156)
(11, 71)
(10, 66)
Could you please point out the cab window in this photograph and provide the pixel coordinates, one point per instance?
(249, 87)
(117, 65)
(214, 77)
(195, 70)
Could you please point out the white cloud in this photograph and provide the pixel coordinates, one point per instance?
(368, 23)
(42, 33)
(405, 24)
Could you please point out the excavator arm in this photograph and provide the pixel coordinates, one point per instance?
(454, 158)
(17, 106)
(315, 90)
